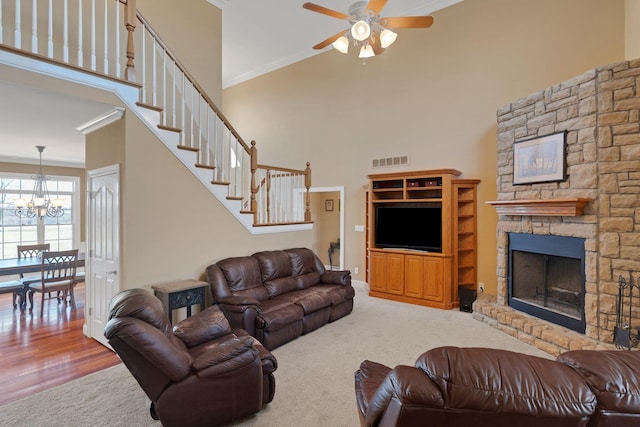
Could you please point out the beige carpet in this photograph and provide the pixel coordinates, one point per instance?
(314, 380)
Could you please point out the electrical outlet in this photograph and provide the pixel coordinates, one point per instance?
(481, 287)
(355, 270)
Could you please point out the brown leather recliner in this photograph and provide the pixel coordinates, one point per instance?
(451, 386)
(198, 374)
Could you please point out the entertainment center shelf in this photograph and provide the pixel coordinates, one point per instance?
(421, 236)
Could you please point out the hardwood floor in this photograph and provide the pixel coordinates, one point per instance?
(39, 353)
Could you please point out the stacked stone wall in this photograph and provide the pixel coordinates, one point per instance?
(600, 113)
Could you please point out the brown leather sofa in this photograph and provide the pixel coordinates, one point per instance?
(201, 373)
(276, 296)
(451, 386)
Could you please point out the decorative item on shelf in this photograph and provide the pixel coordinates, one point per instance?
(369, 31)
(41, 203)
(432, 183)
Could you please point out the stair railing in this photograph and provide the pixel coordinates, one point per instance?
(57, 32)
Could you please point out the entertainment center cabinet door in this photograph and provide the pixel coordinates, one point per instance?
(434, 279)
(414, 275)
(387, 272)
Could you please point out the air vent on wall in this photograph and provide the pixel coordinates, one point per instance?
(390, 161)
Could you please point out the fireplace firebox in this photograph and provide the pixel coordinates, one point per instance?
(546, 278)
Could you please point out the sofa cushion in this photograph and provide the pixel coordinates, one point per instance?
(313, 301)
(243, 277)
(308, 279)
(612, 375)
(273, 264)
(336, 293)
(278, 314)
(280, 286)
(493, 380)
(303, 261)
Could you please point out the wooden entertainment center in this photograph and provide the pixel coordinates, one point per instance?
(427, 275)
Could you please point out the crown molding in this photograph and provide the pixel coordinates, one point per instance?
(101, 121)
(220, 4)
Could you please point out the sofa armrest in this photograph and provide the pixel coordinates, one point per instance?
(241, 312)
(407, 386)
(220, 357)
(331, 277)
(202, 327)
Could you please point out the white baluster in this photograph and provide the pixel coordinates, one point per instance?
(65, 36)
(182, 113)
(34, 27)
(50, 31)
(80, 53)
(1, 29)
(173, 95)
(143, 92)
(119, 11)
(154, 75)
(93, 35)
(164, 86)
(17, 35)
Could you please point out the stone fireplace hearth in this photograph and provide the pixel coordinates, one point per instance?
(600, 112)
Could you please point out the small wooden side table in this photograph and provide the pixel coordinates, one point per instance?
(181, 294)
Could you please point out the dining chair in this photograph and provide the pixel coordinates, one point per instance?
(58, 274)
(31, 251)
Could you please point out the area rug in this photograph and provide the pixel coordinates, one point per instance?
(314, 380)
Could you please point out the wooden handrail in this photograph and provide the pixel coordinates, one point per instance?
(281, 169)
(193, 81)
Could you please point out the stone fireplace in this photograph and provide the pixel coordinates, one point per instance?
(598, 203)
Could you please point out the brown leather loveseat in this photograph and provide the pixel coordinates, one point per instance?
(201, 373)
(276, 296)
(451, 386)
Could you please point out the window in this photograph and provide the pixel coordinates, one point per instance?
(62, 232)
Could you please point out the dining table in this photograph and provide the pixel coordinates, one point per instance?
(15, 266)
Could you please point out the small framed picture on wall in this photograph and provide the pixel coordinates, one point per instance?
(328, 205)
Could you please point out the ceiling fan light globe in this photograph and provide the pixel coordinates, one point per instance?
(366, 51)
(361, 30)
(387, 37)
(342, 44)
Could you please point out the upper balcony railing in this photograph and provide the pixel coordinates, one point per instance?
(111, 38)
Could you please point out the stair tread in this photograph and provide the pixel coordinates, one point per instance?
(220, 182)
(149, 106)
(169, 128)
(186, 147)
(202, 166)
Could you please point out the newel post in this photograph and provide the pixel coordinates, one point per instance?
(254, 188)
(307, 183)
(130, 24)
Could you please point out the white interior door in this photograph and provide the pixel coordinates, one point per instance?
(103, 244)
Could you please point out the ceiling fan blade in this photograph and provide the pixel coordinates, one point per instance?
(376, 6)
(375, 45)
(325, 11)
(407, 22)
(328, 41)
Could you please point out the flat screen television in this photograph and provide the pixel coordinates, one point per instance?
(409, 227)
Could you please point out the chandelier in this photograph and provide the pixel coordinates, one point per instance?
(41, 203)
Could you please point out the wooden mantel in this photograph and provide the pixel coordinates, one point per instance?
(555, 207)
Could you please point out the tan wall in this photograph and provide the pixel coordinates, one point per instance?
(55, 170)
(432, 96)
(192, 29)
(172, 226)
(632, 29)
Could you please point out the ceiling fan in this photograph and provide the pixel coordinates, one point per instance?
(368, 29)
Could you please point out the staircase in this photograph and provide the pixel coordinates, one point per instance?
(124, 55)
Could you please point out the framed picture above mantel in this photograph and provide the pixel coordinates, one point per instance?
(540, 159)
